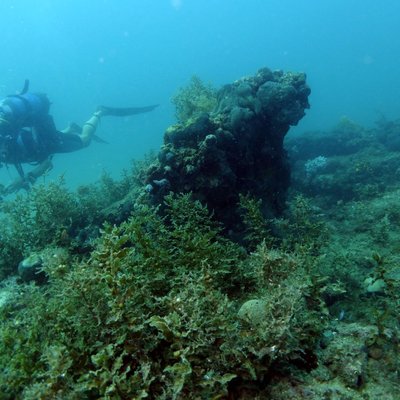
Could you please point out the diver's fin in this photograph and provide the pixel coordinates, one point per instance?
(124, 112)
(98, 139)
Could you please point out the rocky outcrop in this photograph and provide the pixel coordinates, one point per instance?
(235, 149)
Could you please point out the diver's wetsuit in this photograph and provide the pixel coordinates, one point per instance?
(36, 143)
(28, 133)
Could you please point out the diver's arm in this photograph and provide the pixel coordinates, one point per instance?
(18, 184)
(30, 178)
(45, 166)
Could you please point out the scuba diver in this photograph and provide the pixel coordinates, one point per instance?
(28, 134)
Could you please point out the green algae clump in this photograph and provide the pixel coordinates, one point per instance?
(193, 100)
(152, 312)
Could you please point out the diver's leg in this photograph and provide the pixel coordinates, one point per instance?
(89, 128)
(45, 166)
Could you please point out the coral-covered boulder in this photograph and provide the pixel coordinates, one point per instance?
(236, 148)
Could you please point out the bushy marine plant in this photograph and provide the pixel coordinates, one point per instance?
(53, 215)
(303, 230)
(153, 312)
(255, 224)
(32, 221)
(194, 99)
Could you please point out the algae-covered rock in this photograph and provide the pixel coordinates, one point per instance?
(29, 269)
(373, 285)
(235, 148)
(253, 312)
(39, 265)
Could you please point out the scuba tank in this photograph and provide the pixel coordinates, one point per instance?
(24, 109)
(18, 114)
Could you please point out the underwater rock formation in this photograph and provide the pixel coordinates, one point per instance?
(29, 269)
(344, 164)
(235, 149)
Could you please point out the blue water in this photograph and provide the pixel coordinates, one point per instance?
(132, 53)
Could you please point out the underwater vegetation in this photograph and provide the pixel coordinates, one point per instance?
(51, 214)
(150, 287)
(194, 99)
(164, 306)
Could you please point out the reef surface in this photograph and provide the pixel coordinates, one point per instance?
(126, 290)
